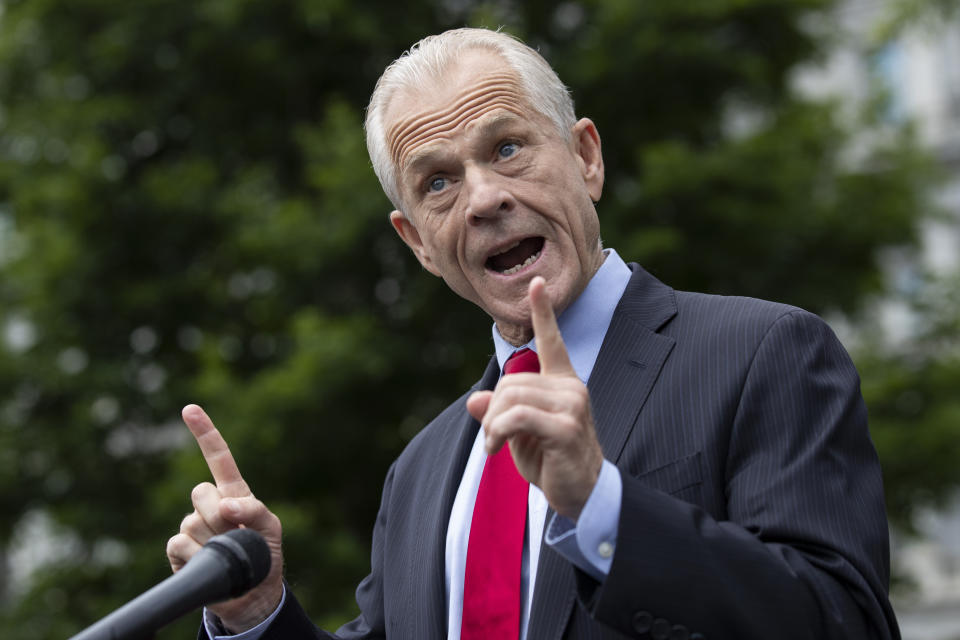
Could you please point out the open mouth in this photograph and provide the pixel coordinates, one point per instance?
(521, 255)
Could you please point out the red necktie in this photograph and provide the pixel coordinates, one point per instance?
(491, 584)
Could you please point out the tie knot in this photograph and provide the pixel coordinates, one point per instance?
(522, 361)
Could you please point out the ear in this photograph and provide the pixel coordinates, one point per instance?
(411, 237)
(586, 146)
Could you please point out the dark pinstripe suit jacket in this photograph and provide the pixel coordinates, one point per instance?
(752, 499)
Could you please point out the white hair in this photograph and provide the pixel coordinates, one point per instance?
(427, 59)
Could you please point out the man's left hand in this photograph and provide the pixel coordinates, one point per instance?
(545, 417)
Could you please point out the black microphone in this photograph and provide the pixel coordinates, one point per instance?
(227, 566)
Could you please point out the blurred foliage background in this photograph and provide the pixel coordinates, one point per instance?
(187, 214)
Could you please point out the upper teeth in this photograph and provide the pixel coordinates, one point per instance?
(512, 270)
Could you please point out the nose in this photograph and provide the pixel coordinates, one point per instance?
(487, 194)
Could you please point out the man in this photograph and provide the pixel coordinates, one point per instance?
(699, 466)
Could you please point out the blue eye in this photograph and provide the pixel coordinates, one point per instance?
(507, 149)
(436, 184)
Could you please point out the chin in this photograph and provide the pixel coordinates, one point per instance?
(562, 294)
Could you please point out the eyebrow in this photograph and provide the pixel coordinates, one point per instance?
(489, 126)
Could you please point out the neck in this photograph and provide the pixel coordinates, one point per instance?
(515, 335)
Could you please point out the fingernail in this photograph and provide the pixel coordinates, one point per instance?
(233, 506)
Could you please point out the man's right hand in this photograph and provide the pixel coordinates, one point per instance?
(219, 508)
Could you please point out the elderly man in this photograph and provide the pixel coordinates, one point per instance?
(690, 466)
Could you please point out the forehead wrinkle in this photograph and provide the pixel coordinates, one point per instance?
(506, 80)
(409, 150)
(502, 87)
(495, 90)
(487, 126)
(426, 126)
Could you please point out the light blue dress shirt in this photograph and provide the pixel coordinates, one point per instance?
(590, 542)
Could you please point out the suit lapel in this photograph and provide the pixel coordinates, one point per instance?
(626, 369)
(630, 360)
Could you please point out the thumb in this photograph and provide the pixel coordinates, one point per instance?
(477, 404)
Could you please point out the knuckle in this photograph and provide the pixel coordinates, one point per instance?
(523, 413)
(511, 395)
(505, 386)
(176, 546)
(496, 431)
(190, 522)
(515, 419)
(200, 491)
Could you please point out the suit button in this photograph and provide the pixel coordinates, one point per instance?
(697, 636)
(642, 621)
(679, 632)
(660, 630)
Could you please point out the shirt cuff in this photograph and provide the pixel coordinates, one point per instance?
(590, 542)
(212, 626)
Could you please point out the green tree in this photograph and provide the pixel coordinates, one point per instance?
(910, 388)
(187, 214)
(910, 381)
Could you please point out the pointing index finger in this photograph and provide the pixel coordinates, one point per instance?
(215, 451)
(550, 347)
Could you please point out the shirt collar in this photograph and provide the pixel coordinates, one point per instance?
(584, 323)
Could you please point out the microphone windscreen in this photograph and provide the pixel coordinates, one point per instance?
(248, 555)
